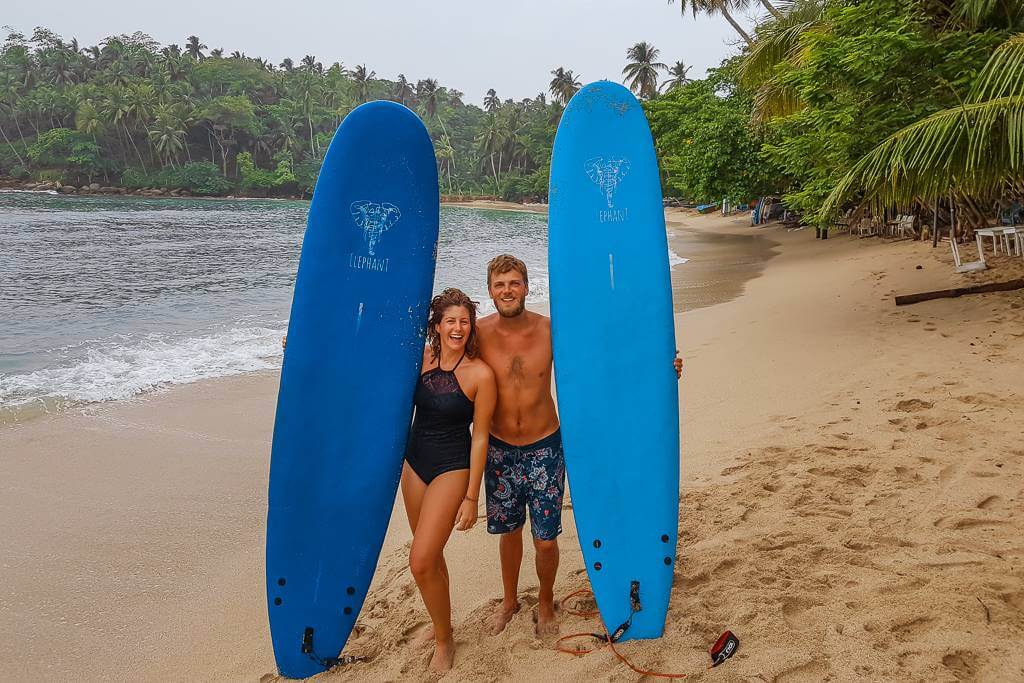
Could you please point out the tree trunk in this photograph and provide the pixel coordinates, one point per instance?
(739, 29)
(493, 172)
(771, 8)
(137, 152)
(18, 126)
(8, 141)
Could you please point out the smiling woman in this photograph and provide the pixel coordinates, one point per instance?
(444, 462)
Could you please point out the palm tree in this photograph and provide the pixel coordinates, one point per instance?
(973, 150)
(428, 93)
(490, 141)
(679, 77)
(719, 7)
(642, 72)
(310, 64)
(446, 159)
(492, 102)
(361, 80)
(217, 53)
(168, 133)
(287, 64)
(403, 91)
(194, 48)
(564, 85)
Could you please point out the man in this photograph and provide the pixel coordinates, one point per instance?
(525, 466)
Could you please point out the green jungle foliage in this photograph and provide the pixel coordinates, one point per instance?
(833, 104)
(130, 111)
(707, 148)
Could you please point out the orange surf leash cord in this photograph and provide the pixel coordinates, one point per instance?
(606, 638)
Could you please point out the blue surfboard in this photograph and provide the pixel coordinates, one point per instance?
(614, 340)
(355, 345)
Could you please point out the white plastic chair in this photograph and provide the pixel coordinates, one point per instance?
(971, 267)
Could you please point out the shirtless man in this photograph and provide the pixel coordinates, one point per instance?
(525, 467)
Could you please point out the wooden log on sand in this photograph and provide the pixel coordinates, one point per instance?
(960, 291)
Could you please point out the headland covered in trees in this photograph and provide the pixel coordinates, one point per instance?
(879, 105)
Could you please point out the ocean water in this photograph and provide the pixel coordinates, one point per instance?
(104, 298)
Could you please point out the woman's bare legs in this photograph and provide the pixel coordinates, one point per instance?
(432, 509)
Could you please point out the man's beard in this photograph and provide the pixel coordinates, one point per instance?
(519, 307)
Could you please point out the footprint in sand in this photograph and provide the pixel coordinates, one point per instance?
(963, 664)
(793, 611)
(913, 405)
(417, 635)
(814, 670)
(990, 503)
(911, 629)
(1015, 600)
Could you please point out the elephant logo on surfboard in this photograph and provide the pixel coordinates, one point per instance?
(374, 219)
(607, 173)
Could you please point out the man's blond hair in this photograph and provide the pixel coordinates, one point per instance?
(504, 263)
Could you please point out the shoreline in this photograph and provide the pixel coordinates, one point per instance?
(851, 478)
(101, 190)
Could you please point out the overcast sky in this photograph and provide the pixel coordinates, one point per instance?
(469, 45)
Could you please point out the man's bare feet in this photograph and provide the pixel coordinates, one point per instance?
(503, 614)
(444, 656)
(547, 619)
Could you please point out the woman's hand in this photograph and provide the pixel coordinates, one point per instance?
(466, 518)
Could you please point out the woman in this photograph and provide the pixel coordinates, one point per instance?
(443, 463)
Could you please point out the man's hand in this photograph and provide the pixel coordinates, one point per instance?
(678, 365)
(466, 517)
(284, 342)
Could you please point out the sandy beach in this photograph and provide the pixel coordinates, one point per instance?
(852, 487)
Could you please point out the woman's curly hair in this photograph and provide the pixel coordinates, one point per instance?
(438, 305)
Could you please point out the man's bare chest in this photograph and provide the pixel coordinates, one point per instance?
(518, 364)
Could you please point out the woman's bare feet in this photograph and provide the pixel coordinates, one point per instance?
(444, 656)
(503, 614)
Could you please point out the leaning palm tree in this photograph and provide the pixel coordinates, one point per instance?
(719, 7)
(679, 77)
(642, 73)
(492, 102)
(973, 150)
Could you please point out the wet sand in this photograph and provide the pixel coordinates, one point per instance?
(852, 478)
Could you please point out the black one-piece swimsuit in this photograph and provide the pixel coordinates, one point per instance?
(440, 439)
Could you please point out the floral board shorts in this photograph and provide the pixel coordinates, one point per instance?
(521, 477)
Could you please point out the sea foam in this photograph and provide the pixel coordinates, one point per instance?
(120, 370)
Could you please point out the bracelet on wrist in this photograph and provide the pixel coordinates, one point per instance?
(472, 500)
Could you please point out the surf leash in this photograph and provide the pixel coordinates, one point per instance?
(326, 662)
(605, 637)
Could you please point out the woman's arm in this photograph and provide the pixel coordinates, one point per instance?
(483, 409)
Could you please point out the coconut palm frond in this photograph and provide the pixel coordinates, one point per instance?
(975, 12)
(1003, 75)
(976, 149)
(773, 100)
(780, 40)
